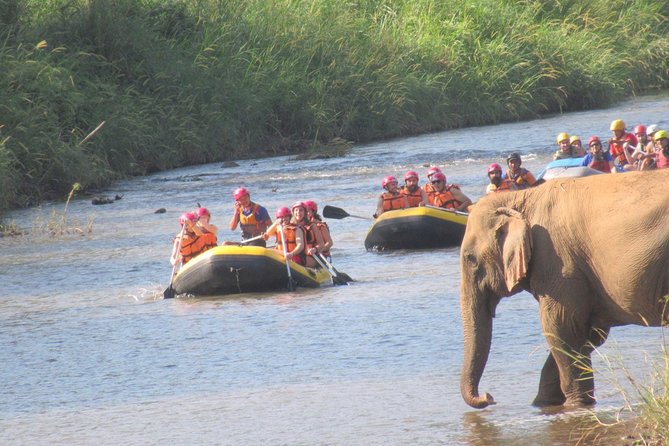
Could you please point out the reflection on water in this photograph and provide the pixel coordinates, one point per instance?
(91, 354)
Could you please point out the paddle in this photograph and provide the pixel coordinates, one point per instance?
(243, 242)
(339, 213)
(344, 276)
(169, 292)
(291, 283)
(447, 210)
(336, 279)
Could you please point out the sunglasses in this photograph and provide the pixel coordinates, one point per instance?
(435, 181)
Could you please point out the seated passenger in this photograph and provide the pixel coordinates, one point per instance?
(188, 243)
(521, 177)
(497, 183)
(427, 187)
(294, 236)
(315, 219)
(596, 158)
(576, 145)
(564, 149)
(208, 230)
(313, 240)
(415, 195)
(391, 199)
(662, 149)
(621, 146)
(447, 197)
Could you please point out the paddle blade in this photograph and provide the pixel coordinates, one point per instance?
(334, 212)
(168, 293)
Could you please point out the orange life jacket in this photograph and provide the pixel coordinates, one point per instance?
(209, 239)
(289, 231)
(391, 202)
(520, 178)
(445, 198)
(504, 185)
(415, 197)
(191, 246)
(324, 228)
(249, 223)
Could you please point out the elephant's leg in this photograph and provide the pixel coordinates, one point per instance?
(568, 333)
(550, 393)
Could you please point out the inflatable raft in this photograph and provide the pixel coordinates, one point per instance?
(233, 269)
(417, 228)
(566, 168)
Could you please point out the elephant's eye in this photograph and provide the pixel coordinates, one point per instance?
(470, 259)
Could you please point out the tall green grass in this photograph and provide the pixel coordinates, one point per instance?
(181, 82)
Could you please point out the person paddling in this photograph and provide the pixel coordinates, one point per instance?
(188, 243)
(321, 226)
(447, 196)
(252, 218)
(293, 233)
(208, 229)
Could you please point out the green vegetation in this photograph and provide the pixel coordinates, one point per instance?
(182, 82)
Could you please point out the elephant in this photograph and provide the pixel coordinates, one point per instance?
(594, 253)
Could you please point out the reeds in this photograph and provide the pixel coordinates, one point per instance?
(183, 82)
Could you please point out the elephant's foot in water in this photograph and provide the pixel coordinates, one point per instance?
(550, 392)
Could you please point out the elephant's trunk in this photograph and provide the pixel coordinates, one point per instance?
(477, 328)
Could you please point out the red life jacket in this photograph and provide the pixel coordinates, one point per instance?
(392, 201)
(445, 198)
(601, 165)
(415, 197)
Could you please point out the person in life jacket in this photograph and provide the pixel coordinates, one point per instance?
(642, 156)
(323, 228)
(416, 196)
(391, 199)
(208, 229)
(577, 150)
(522, 177)
(447, 196)
(427, 187)
(497, 183)
(662, 149)
(294, 235)
(313, 239)
(596, 158)
(564, 148)
(621, 146)
(188, 243)
(252, 218)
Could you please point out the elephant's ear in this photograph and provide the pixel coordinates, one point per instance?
(515, 242)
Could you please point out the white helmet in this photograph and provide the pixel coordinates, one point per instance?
(651, 129)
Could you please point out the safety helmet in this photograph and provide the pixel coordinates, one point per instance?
(618, 124)
(388, 179)
(411, 174)
(639, 129)
(494, 167)
(661, 134)
(240, 192)
(187, 216)
(573, 139)
(298, 204)
(562, 136)
(432, 170)
(283, 212)
(513, 156)
(200, 212)
(439, 176)
(651, 129)
(311, 205)
(594, 139)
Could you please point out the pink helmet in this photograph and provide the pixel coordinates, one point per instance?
(283, 212)
(594, 139)
(311, 205)
(240, 192)
(431, 171)
(639, 129)
(200, 212)
(388, 179)
(439, 176)
(411, 174)
(298, 204)
(494, 167)
(187, 216)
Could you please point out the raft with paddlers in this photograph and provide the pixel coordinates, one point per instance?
(233, 269)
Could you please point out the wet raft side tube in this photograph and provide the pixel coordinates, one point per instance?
(231, 269)
(417, 228)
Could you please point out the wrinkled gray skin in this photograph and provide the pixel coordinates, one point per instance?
(594, 252)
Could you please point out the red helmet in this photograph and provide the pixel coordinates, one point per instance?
(494, 167)
(388, 179)
(639, 129)
(282, 212)
(411, 174)
(202, 212)
(431, 171)
(240, 192)
(594, 139)
(298, 204)
(187, 216)
(311, 205)
(439, 176)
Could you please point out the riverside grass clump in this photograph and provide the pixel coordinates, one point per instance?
(182, 82)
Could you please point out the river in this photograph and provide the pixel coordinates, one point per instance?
(92, 354)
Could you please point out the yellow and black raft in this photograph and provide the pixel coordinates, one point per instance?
(233, 269)
(417, 228)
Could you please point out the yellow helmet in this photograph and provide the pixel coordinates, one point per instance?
(661, 134)
(573, 139)
(562, 136)
(618, 124)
